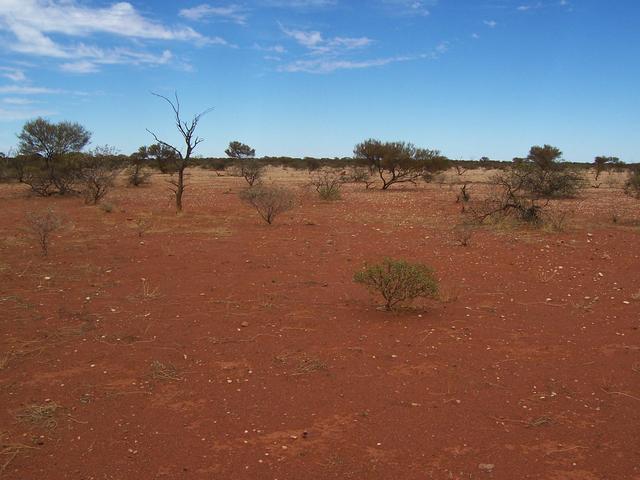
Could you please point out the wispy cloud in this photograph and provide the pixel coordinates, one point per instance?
(302, 4)
(328, 65)
(410, 7)
(233, 13)
(33, 23)
(491, 23)
(14, 74)
(14, 114)
(26, 90)
(17, 101)
(525, 8)
(317, 44)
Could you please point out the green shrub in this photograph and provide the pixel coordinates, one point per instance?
(398, 281)
(328, 183)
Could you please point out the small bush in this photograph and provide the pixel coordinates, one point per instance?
(269, 201)
(251, 170)
(632, 186)
(42, 225)
(327, 183)
(398, 281)
(360, 174)
(137, 175)
(462, 234)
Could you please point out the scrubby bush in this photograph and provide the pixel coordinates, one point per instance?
(524, 190)
(462, 233)
(632, 185)
(137, 172)
(97, 174)
(544, 175)
(359, 174)
(269, 201)
(245, 164)
(398, 281)
(328, 183)
(602, 164)
(399, 162)
(41, 225)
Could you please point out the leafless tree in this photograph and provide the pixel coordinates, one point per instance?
(187, 129)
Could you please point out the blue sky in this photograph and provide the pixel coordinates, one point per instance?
(314, 77)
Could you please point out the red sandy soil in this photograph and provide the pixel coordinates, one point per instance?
(528, 368)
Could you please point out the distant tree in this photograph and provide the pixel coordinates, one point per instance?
(137, 172)
(246, 165)
(164, 157)
(240, 151)
(602, 164)
(187, 130)
(50, 147)
(399, 162)
(632, 185)
(98, 173)
(543, 174)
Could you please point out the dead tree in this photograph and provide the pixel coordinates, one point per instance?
(191, 141)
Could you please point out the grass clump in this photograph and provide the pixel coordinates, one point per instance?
(398, 281)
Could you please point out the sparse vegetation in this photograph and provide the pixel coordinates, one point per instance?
(138, 173)
(462, 233)
(602, 164)
(327, 183)
(245, 165)
(542, 174)
(398, 281)
(524, 190)
(98, 174)
(42, 225)
(187, 130)
(269, 201)
(632, 185)
(40, 415)
(50, 155)
(399, 162)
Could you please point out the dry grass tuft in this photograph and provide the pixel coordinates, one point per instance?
(40, 415)
(164, 371)
(9, 452)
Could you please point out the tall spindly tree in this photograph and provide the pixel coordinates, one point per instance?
(187, 130)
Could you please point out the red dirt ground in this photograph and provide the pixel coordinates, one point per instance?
(529, 367)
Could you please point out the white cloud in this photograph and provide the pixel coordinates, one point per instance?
(274, 48)
(302, 4)
(13, 74)
(34, 22)
(10, 115)
(410, 7)
(490, 23)
(17, 101)
(329, 65)
(315, 42)
(112, 57)
(26, 90)
(525, 8)
(233, 13)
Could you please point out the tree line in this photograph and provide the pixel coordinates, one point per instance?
(53, 159)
